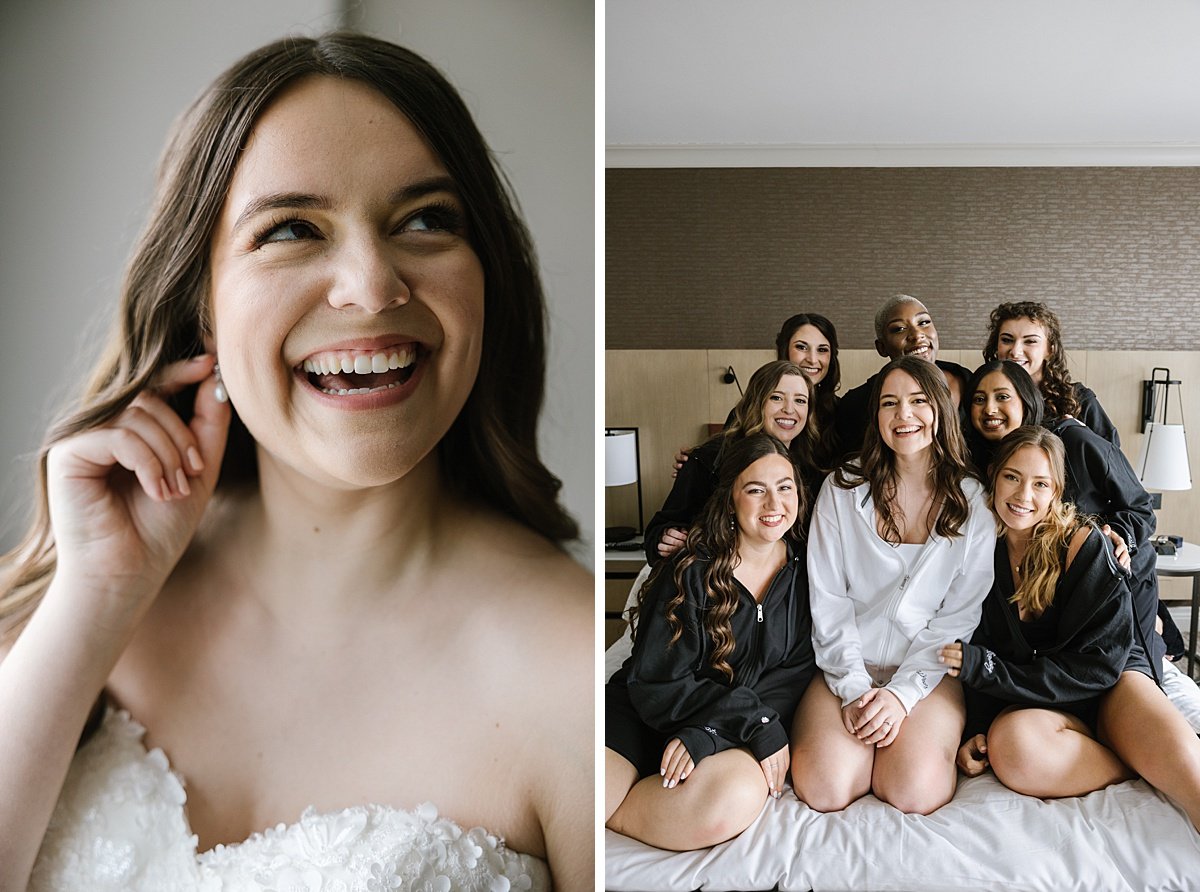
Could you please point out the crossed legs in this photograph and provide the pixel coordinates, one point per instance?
(831, 767)
(717, 801)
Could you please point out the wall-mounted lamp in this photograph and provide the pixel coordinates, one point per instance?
(1163, 463)
(730, 377)
(623, 466)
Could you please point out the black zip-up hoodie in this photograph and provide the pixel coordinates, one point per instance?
(1094, 638)
(676, 691)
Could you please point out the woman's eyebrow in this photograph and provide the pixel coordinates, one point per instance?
(424, 187)
(276, 200)
(304, 200)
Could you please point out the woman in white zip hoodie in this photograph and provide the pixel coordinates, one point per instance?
(899, 562)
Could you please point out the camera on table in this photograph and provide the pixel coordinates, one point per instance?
(1167, 544)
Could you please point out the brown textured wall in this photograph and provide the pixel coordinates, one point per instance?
(719, 257)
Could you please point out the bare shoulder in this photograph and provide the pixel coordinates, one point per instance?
(542, 628)
(1077, 540)
(536, 585)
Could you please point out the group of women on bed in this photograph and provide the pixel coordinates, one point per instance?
(974, 583)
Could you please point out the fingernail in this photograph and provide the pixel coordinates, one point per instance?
(181, 479)
(662, 771)
(673, 783)
(665, 783)
(194, 459)
(164, 491)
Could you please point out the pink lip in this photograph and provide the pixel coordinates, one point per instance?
(363, 345)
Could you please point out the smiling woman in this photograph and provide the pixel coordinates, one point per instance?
(286, 564)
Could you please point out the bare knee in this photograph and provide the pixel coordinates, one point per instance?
(824, 789)
(726, 810)
(1017, 747)
(919, 792)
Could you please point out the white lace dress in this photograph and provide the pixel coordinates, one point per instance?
(120, 825)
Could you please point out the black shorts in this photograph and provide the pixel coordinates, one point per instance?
(1139, 662)
(627, 735)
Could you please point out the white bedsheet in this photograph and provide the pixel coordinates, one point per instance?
(1127, 837)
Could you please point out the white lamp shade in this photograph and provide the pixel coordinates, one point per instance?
(620, 458)
(1163, 463)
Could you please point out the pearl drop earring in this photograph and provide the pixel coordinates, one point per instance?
(219, 391)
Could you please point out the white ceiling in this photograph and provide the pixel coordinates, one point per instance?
(801, 82)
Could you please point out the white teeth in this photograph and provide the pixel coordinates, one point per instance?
(353, 391)
(1017, 509)
(907, 430)
(361, 363)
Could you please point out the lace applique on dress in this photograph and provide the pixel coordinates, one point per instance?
(120, 825)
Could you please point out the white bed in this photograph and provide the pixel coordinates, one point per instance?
(1126, 837)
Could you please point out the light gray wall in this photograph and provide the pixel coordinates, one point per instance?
(88, 91)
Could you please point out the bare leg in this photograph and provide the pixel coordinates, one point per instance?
(1049, 754)
(916, 773)
(718, 800)
(619, 778)
(830, 766)
(1146, 730)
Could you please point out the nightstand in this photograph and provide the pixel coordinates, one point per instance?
(1185, 562)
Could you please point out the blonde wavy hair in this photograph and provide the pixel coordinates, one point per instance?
(1043, 560)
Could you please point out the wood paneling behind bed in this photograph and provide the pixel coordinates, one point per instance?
(672, 395)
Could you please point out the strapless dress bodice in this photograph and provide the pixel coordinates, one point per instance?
(120, 824)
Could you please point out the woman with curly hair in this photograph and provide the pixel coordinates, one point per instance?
(777, 401)
(898, 567)
(1029, 334)
(696, 719)
(1061, 695)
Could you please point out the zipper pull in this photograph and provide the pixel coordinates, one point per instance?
(760, 618)
(904, 583)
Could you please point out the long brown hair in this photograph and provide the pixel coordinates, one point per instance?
(714, 538)
(827, 447)
(749, 416)
(1058, 390)
(163, 317)
(876, 464)
(1043, 559)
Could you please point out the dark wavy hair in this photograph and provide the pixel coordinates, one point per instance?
(714, 539)
(1057, 388)
(163, 317)
(1033, 411)
(876, 464)
(827, 444)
